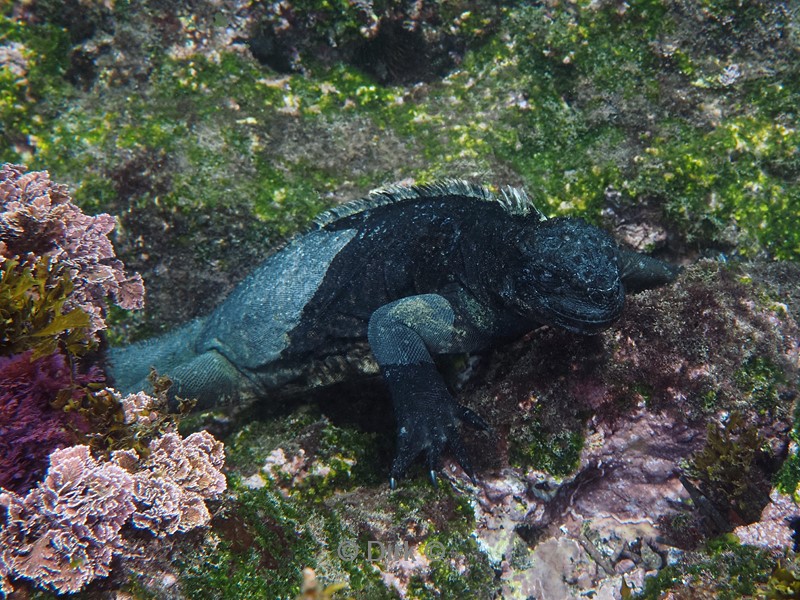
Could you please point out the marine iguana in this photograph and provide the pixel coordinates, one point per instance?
(387, 281)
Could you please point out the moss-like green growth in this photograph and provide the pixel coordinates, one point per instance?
(740, 568)
(537, 446)
(325, 464)
(788, 476)
(33, 71)
(654, 587)
(333, 458)
(246, 451)
(760, 381)
(265, 542)
(731, 472)
(784, 582)
(726, 570)
(736, 173)
(342, 461)
(550, 136)
(458, 569)
(263, 539)
(581, 79)
(734, 570)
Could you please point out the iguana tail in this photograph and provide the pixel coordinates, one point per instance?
(206, 376)
(130, 365)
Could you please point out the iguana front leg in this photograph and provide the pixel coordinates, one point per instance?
(403, 334)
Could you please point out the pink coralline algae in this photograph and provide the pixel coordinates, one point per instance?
(67, 530)
(38, 219)
(30, 428)
(171, 486)
(139, 409)
(772, 530)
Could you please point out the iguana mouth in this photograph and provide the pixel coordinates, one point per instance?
(585, 322)
(582, 325)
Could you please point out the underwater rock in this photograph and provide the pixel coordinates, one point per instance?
(585, 477)
(773, 530)
(723, 338)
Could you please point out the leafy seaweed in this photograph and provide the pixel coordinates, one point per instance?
(784, 582)
(730, 473)
(33, 314)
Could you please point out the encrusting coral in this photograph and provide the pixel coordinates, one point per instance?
(65, 532)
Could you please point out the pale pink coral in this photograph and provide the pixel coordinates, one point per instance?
(160, 505)
(67, 530)
(38, 219)
(172, 485)
(179, 475)
(139, 409)
(175, 480)
(193, 463)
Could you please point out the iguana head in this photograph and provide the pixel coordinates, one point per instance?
(567, 274)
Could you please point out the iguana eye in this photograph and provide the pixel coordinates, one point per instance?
(546, 278)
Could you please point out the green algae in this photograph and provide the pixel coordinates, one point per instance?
(725, 569)
(784, 582)
(249, 447)
(23, 114)
(761, 382)
(444, 516)
(459, 568)
(735, 172)
(226, 160)
(730, 470)
(727, 177)
(558, 96)
(788, 476)
(279, 544)
(335, 458)
(463, 571)
(556, 451)
(263, 539)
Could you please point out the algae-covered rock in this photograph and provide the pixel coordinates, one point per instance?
(623, 508)
(215, 130)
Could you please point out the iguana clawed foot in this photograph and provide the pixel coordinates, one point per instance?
(429, 430)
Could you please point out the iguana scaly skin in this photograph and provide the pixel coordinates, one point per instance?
(386, 282)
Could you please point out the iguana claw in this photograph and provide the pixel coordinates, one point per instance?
(431, 432)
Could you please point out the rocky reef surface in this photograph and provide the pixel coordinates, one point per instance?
(661, 453)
